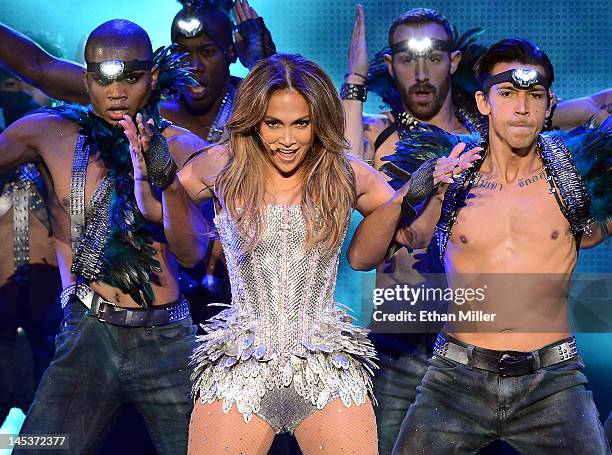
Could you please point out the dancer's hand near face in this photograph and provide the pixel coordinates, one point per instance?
(139, 137)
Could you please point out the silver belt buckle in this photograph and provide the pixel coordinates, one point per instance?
(567, 350)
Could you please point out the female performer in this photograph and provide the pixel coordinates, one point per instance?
(283, 357)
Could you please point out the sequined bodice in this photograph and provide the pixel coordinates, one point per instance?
(279, 283)
(283, 335)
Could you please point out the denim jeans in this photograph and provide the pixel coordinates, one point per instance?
(403, 363)
(98, 366)
(459, 410)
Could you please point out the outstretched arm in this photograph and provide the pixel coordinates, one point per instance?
(384, 221)
(187, 232)
(58, 78)
(572, 113)
(356, 73)
(18, 143)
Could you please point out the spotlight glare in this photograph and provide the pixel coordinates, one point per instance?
(190, 26)
(419, 45)
(111, 69)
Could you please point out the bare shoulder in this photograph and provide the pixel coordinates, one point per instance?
(41, 136)
(214, 157)
(42, 130)
(45, 124)
(377, 122)
(366, 177)
(199, 174)
(183, 144)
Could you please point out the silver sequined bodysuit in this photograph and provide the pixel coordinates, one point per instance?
(283, 348)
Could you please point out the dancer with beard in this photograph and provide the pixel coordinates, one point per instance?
(426, 77)
(514, 376)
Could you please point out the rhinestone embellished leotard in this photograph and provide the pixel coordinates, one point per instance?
(283, 348)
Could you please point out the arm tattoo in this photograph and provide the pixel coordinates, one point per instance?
(368, 147)
(606, 107)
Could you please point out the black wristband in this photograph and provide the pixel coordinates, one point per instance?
(160, 164)
(357, 92)
(421, 186)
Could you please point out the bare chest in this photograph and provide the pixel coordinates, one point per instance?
(518, 215)
(198, 125)
(59, 159)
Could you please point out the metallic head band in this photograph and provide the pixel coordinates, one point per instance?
(111, 71)
(421, 47)
(522, 79)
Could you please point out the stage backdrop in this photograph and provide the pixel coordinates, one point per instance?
(575, 34)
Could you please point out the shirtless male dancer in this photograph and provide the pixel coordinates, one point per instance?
(517, 376)
(127, 334)
(426, 95)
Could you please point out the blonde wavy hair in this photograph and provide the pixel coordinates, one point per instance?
(328, 180)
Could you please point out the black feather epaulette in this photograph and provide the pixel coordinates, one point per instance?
(421, 145)
(174, 74)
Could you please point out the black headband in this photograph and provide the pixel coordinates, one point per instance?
(421, 47)
(116, 70)
(522, 79)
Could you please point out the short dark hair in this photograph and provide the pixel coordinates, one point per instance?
(513, 50)
(418, 17)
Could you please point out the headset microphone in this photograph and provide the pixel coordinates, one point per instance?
(272, 145)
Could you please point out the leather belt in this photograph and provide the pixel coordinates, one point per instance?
(110, 313)
(505, 363)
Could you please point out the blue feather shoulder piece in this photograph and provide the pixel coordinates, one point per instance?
(421, 145)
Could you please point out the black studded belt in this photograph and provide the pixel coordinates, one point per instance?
(110, 313)
(505, 363)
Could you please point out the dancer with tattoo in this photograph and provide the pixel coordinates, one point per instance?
(515, 376)
(426, 77)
